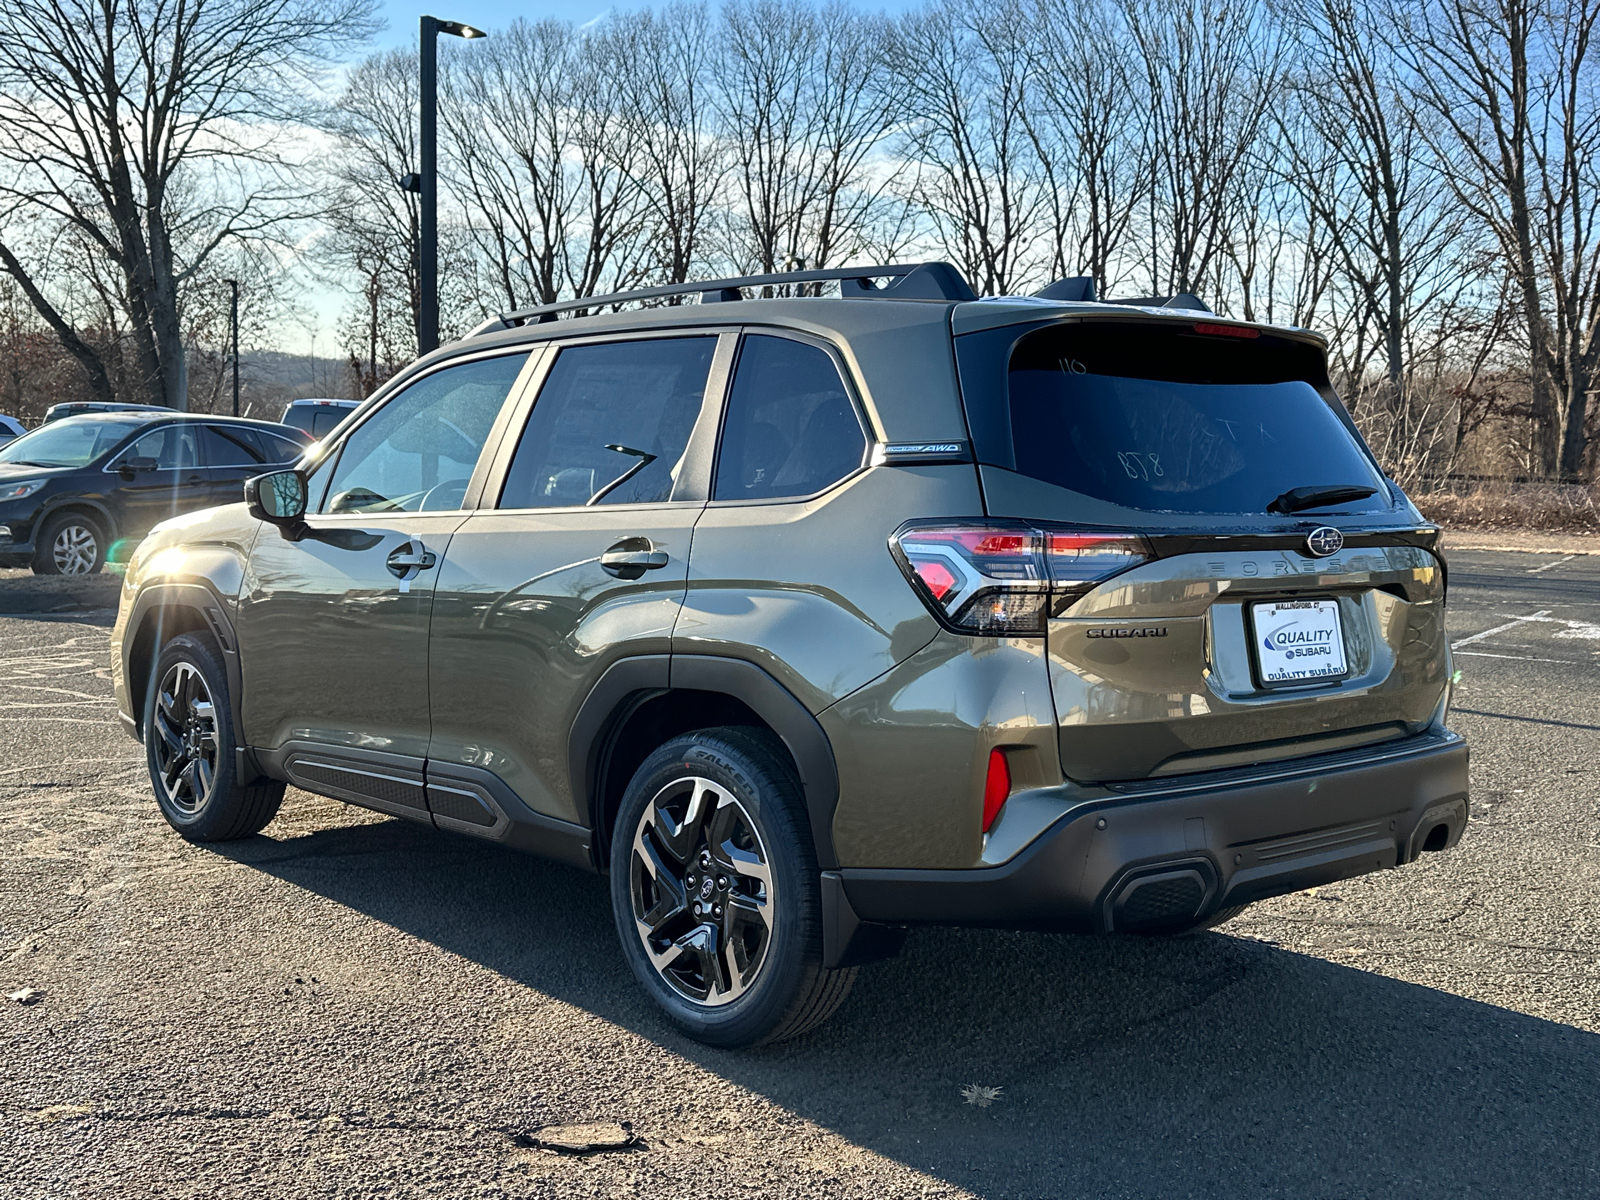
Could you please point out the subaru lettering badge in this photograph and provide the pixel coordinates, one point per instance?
(1323, 541)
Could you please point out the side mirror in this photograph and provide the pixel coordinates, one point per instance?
(137, 465)
(278, 497)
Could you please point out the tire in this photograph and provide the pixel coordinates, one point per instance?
(189, 745)
(1219, 917)
(717, 816)
(69, 543)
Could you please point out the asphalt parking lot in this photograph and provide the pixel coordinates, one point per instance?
(350, 1005)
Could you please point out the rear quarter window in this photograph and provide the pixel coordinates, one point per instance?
(790, 428)
(1171, 418)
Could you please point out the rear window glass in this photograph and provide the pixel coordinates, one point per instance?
(1170, 419)
(318, 420)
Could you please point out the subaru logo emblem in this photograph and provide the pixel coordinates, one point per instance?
(1323, 541)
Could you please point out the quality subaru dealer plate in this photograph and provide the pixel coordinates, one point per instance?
(1298, 641)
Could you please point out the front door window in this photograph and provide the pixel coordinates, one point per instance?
(417, 453)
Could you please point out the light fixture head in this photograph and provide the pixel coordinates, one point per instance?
(461, 30)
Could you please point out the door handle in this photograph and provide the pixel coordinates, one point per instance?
(409, 555)
(632, 557)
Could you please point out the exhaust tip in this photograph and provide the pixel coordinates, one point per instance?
(1440, 826)
(1169, 894)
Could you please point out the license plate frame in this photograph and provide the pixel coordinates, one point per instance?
(1308, 630)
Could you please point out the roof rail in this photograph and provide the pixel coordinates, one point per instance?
(912, 281)
(1181, 300)
(1073, 287)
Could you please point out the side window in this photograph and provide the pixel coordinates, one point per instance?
(417, 452)
(229, 446)
(790, 428)
(611, 424)
(280, 449)
(174, 447)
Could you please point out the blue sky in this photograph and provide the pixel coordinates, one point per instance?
(492, 14)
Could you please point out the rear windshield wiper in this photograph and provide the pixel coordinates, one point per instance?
(1301, 498)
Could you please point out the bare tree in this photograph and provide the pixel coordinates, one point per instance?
(1089, 130)
(1352, 149)
(109, 109)
(1510, 86)
(966, 66)
(664, 64)
(374, 226)
(543, 164)
(801, 118)
(1209, 71)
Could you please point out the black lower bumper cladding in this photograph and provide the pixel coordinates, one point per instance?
(1172, 858)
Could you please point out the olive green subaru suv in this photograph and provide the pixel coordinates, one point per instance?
(806, 619)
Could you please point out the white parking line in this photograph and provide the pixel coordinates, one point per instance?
(1548, 565)
(1511, 624)
(1518, 657)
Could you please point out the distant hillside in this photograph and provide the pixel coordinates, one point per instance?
(268, 379)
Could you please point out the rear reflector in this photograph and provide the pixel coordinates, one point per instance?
(996, 788)
(1004, 578)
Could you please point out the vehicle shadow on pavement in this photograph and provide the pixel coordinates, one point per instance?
(1196, 1066)
(85, 599)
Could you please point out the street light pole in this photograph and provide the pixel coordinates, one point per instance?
(427, 183)
(234, 323)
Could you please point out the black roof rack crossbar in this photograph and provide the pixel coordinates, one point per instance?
(912, 281)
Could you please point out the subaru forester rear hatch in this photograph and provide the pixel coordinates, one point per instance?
(1184, 508)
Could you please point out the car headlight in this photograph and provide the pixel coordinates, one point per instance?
(20, 491)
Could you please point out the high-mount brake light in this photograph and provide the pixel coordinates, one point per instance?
(1238, 331)
(1006, 578)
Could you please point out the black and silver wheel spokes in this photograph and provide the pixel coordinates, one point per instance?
(184, 732)
(702, 891)
(74, 550)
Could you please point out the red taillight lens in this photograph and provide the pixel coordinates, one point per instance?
(936, 577)
(998, 577)
(996, 788)
(1078, 561)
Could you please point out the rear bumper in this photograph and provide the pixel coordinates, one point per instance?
(1171, 857)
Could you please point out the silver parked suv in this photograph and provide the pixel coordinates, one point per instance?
(809, 619)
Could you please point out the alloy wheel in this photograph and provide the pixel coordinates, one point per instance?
(702, 891)
(74, 549)
(185, 739)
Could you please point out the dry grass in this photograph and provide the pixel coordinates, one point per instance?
(980, 1096)
(1559, 508)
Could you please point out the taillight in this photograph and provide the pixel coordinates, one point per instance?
(1002, 577)
(1077, 560)
(996, 788)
